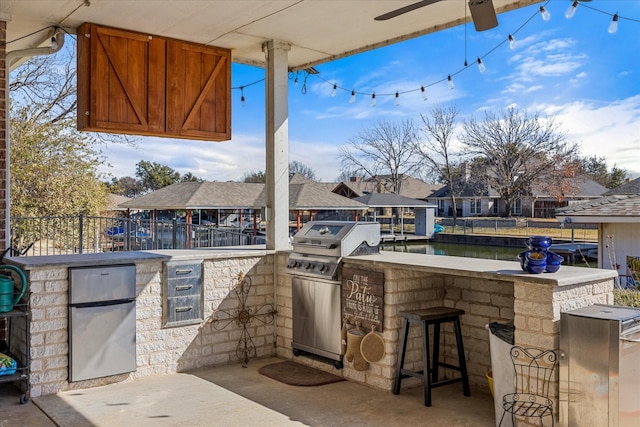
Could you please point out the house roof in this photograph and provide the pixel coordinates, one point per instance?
(307, 195)
(199, 195)
(610, 209)
(318, 31)
(377, 200)
(631, 187)
(316, 196)
(409, 186)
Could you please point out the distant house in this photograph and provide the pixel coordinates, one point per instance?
(409, 187)
(618, 217)
(476, 199)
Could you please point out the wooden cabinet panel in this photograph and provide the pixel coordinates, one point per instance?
(148, 85)
(198, 98)
(121, 81)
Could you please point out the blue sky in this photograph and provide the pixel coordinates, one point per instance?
(574, 70)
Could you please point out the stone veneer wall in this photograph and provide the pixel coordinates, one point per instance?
(159, 350)
(534, 308)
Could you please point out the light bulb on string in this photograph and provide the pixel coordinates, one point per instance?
(481, 66)
(54, 43)
(512, 42)
(613, 26)
(424, 93)
(450, 82)
(397, 103)
(335, 90)
(353, 97)
(373, 100)
(571, 10)
(545, 13)
(295, 81)
(242, 96)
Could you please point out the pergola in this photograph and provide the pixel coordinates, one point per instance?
(279, 35)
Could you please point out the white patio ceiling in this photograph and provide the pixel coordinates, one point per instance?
(318, 30)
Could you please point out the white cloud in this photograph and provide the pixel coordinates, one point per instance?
(610, 130)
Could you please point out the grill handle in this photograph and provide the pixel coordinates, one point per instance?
(311, 245)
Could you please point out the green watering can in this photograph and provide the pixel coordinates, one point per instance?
(8, 297)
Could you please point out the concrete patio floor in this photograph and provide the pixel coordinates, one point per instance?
(234, 395)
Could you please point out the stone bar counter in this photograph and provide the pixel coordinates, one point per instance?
(239, 323)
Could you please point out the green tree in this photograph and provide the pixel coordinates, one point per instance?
(154, 176)
(597, 170)
(126, 186)
(521, 151)
(189, 177)
(53, 167)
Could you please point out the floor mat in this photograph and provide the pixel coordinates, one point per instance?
(293, 373)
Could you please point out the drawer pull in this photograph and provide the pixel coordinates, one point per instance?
(184, 271)
(183, 287)
(183, 309)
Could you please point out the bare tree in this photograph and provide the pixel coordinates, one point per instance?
(438, 152)
(521, 152)
(386, 148)
(302, 169)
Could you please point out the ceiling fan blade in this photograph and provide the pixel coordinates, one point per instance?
(404, 9)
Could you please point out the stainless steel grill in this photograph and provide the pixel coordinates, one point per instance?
(315, 265)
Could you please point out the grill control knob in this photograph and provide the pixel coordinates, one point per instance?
(322, 267)
(307, 265)
(292, 263)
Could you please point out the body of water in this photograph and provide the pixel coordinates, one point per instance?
(454, 249)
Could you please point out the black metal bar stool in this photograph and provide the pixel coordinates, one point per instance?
(435, 316)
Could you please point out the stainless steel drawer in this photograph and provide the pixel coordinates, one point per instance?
(182, 293)
(184, 286)
(184, 310)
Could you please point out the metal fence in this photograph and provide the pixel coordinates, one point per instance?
(89, 234)
(519, 226)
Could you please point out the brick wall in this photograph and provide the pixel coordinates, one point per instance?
(159, 350)
(4, 99)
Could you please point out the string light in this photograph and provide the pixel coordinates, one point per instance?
(571, 10)
(242, 96)
(481, 66)
(545, 14)
(613, 26)
(397, 99)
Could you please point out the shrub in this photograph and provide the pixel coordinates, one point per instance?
(627, 297)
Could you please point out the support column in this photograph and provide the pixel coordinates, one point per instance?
(277, 144)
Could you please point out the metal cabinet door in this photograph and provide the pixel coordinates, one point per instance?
(102, 341)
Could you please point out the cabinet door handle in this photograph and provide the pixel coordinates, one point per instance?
(183, 309)
(183, 287)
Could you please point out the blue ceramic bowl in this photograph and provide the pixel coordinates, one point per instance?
(552, 267)
(539, 242)
(534, 268)
(553, 257)
(535, 258)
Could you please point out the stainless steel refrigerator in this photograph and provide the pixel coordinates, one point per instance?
(102, 321)
(600, 367)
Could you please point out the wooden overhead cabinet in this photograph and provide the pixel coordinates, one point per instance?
(143, 84)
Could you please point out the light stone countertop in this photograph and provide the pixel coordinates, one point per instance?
(111, 258)
(484, 268)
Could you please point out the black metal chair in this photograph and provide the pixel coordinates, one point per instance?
(534, 373)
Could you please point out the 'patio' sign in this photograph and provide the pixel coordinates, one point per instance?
(363, 298)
